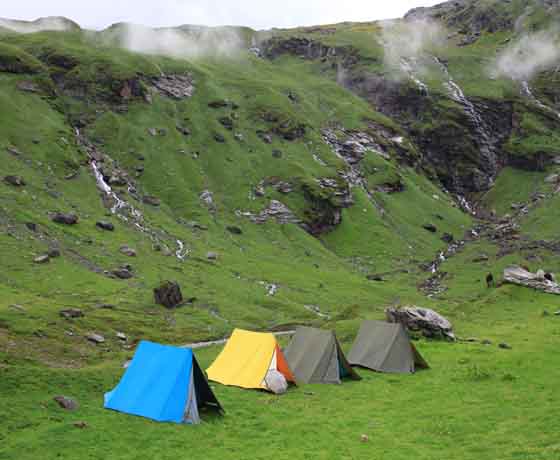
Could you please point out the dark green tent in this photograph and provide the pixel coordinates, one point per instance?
(385, 347)
(315, 356)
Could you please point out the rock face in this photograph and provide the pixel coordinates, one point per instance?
(174, 86)
(538, 281)
(65, 218)
(429, 323)
(66, 403)
(168, 294)
(276, 382)
(277, 211)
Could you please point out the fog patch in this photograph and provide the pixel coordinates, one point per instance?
(529, 55)
(181, 42)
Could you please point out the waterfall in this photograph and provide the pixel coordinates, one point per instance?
(406, 66)
(526, 91)
(484, 138)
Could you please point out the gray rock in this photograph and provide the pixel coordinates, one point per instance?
(448, 238)
(486, 342)
(151, 200)
(504, 346)
(122, 273)
(104, 225)
(54, 253)
(276, 382)
(66, 403)
(428, 322)
(219, 138)
(212, 256)
(168, 294)
(174, 86)
(42, 259)
(520, 276)
(127, 251)
(234, 230)
(430, 227)
(27, 86)
(277, 153)
(238, 137)
(31, 226)
(95, 338)
(70, 313)
(16, 181)
(122, 336)
(152, 132)
(65, 218)
(226, 122)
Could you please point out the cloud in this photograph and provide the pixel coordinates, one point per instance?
(529, 55)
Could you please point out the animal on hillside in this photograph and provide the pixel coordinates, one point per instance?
(490, 280)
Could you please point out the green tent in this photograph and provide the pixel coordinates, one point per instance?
(385, 347)
(315, 356)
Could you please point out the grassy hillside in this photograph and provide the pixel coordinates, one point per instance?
(362, 158)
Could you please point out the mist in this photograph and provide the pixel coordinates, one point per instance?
(409, 40)
(186, 42)
(528, 56)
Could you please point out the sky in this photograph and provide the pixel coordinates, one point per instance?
(258, 14)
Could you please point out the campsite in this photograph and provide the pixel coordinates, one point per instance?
(288, 230)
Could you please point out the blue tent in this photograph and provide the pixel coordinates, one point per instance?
(163, 383)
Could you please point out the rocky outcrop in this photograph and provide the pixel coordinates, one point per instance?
(174, 86)
(168, 294)
(540, 281)
(276, 211)
(64, 218)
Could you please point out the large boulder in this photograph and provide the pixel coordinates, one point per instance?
(16, 181)
(168, 294)
(540, 281)
(423, 320)
(276, 382)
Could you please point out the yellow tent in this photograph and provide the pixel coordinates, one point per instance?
(247, 358)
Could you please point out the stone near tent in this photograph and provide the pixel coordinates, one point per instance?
(42, 259)
(104, 225)
(168, 294)
(65, 218)
(539, 281)
(428, 322)
(127, 251)
(276, 382)
(16, 181)
(66, 403)
(71, 313)
(95, 338)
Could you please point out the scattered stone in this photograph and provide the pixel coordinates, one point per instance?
(71, 313)
(430, 227)
(364, 438)
(265, 137)
(168, 294)
(106, 306)
(212, 256)
(238, 137)
(151, 200)
(196, 225)
(95, 338)
(104, 225)
(504, 346)
(16, 181)
(448, 238)
(486, 342)
(481, 258)
(375, 278)
(13, 151)
(218, 104)
(183, 130)
(127, 251)
(545, 313)
(219, 138)
(277, 153)
(81, 424)
(152, 132)
(226, 122)
(234, 230)
(54, 253)
(31, 226)
(42, 259)
(123, 273)
(27, 86)
(207, 198)
(66, 403)
(428, 322)
(65, 218)
(17, 307)
(122, 336)
(557, 313)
